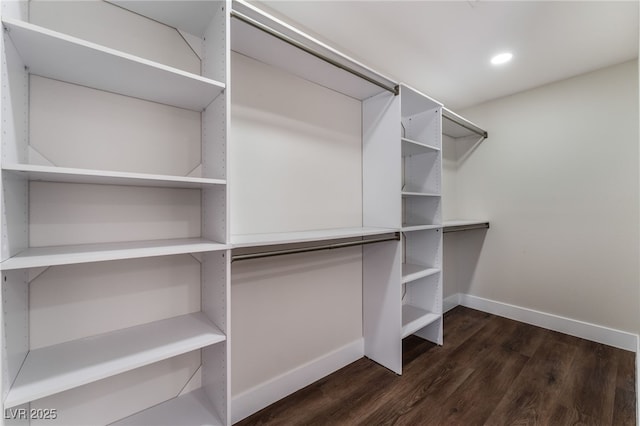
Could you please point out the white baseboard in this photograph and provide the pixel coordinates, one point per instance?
(264, 394)
(596, 333)
(638, 383)
(450, 302)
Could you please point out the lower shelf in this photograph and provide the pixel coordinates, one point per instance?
(191, 409)
(49, 370)
(414, 318)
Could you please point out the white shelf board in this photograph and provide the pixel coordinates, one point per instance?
(409, 228)
(61, 57)
(419, 194)
(73, 175)
(191, 409)
(411, 147)
(36, 257)
(50, 370)
(411, 272)
(255, 240)
(414, 318)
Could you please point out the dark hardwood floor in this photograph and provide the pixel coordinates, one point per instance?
(490, 371)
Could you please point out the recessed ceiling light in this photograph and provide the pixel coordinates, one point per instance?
(501, 58)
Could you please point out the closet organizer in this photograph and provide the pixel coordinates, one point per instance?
(160, 252)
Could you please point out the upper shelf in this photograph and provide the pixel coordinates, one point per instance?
(256, 240)
(62, 57)
(258, 35)
(456, 126)
(100, 177)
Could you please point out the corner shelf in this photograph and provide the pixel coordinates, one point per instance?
(411, 272)
(50, 370)
(190, 409)
(414, 318)
(73, 175)
(36, 257)
(62, 57)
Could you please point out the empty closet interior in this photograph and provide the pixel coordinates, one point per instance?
(205, 209)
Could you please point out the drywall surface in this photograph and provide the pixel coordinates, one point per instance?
(288, 311)
(558, 178)
(296, 153)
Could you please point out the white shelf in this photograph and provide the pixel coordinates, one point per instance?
(414, 318)
(36, 257)
(73, 175)
(411, 147)
(412, 272)
(57, 368)
(409, 228)
(191, 409)
(255, 240)
(419, 194)
(59, 56)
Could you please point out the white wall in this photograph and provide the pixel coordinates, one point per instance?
(558, 178)
(295, 164)
(296, 153)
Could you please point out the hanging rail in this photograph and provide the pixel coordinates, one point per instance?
(237, 257)
(465, 227)
(452, 116)
(248, 20)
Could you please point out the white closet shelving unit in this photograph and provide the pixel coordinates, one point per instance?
(262, 37)
(267, 39)
(406, 127)
(402, 128)
(30, 374)
(421, 119)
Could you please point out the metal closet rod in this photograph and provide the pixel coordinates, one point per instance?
(458, 228)
(234, 258)
(238, 15)
(452, 116)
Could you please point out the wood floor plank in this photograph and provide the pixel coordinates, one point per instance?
(531, 397)
(593, 376)
(490, 371)
(626, 378)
